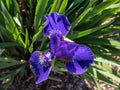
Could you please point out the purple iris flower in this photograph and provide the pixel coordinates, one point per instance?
(78, 57)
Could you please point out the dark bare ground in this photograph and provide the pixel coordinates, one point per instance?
(61, 81)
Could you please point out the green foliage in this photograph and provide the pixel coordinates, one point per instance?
(94, 23)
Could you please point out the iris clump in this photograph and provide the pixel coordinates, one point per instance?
(78, 57)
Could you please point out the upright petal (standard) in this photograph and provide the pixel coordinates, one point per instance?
(56, 23)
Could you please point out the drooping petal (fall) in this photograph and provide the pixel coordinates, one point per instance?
(40, 63)
(82, 59)
(79, 57)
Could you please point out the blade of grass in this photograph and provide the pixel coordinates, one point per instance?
(8, 62)
(27, 42)
(39, 13)
(112, 76)
(8, 44)
(106, 61)
(10, 25)
(99, 53)
(99, 8)
(98, 41)
(89, 31)
(63, 6)
(102, 78)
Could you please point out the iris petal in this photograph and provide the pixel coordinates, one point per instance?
(34, 62)
(40, 63)
(81, 61)
(66, 49)
(56, 23)
(75, 68)
(54, 42)
(45, 71)
(84, 53)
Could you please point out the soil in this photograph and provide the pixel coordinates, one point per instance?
(61, 81)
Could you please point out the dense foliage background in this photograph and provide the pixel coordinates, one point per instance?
(95, 23)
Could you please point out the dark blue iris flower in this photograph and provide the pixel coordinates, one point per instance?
(79, 57)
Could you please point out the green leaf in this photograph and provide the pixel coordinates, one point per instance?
(100, 7)
(103, 17)
(9, 77)
(39, 13)
(87, 32)
(97, 51)
(8, 62)
(10, 25)
(43, 42)
(53, 8)
(12, 6)
(27, 42)
(107, 31)
(98, 41)
(54, 79)
(59, 66)
(96, 81)
(92, 79)
(8, 44)
(106, 61)
(73, 6)
(113, 50)
(114, 6)
(34, 39)
(112, 76)
(5, 35)
(94, 74)
(79, 19)
(108, 67)
(56, 5)
(63, 6)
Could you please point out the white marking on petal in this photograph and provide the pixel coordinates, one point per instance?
(55, 31)
(47, 54)
(41, 58)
